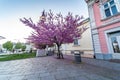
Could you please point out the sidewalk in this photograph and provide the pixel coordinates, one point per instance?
(98, 62)
(50, 68)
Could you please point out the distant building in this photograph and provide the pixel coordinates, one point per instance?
(1, 37)
(82, 44)
(29, 47)
(105, 25)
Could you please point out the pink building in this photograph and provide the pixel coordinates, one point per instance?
(105, 26)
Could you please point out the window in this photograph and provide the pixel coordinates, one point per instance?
(76, 41)
(115, 45)
(110, 8)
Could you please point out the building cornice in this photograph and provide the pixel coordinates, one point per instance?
(96, 1)
(106, 24)
(86, 21)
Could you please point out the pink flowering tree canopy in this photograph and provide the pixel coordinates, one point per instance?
(55, 29)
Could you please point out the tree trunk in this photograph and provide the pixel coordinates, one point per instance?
(59, 55)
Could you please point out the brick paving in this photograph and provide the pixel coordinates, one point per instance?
(50, 68)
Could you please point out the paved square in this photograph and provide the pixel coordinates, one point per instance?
(50, 68)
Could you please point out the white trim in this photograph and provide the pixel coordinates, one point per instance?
(95, 37)
(108, 41)
(116, 56)
(117, 5)
(110, 49)
(90, 2)
(102, 13)
(118, 39)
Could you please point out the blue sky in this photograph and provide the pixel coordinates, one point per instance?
(12, 10)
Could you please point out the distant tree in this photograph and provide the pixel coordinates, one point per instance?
(56, 29)
(18, 45)
(8, 45)
(23, 47)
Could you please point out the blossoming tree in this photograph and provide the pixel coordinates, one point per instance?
(55, 29)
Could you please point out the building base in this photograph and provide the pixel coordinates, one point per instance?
(103, 56)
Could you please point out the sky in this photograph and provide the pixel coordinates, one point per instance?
(12, 10)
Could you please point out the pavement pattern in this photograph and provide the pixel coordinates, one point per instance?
(50, 68)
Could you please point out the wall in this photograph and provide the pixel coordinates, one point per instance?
(85, 43)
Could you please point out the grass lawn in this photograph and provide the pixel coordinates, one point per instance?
(16, 56)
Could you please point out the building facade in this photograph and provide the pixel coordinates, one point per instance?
(82, 44)
(1, 37)
(105, 25)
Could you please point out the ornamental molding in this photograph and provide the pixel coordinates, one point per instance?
(96, 1)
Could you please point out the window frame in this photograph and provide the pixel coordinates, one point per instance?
(116, 4)
(78, 41)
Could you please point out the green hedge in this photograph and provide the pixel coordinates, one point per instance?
(16, 56)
